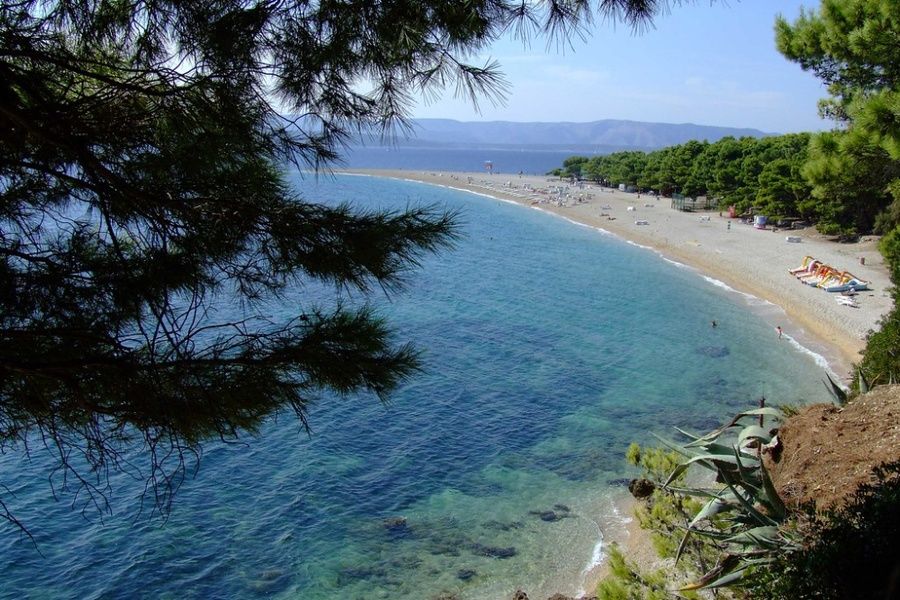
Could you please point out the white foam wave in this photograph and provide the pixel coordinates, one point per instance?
(597, 557)
(755, 301)
(598, 553)
(599, 230)
(642, 246)
(594, 227)
(501, 199)
(474, 193)
(750, 299)
(676, 264)
(820, 360)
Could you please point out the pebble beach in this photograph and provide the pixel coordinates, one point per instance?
(750, 260)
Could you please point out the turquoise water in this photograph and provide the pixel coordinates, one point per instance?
(548, 348)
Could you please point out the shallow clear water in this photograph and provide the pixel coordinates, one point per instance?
(548, 348)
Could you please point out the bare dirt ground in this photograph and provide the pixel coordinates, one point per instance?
(829, 451)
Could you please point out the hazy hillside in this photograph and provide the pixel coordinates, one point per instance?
(596, 136)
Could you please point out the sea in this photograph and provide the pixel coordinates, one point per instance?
(548, 347)
(528, 160)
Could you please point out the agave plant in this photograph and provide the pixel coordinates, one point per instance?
(838, 393)
(743, 515)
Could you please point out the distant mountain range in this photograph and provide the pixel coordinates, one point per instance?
(608, 135)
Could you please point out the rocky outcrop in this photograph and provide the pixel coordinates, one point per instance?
(641, 488)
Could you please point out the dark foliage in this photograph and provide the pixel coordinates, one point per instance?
(142, 156)
(881, 360)
(759, 173)
(848, 553)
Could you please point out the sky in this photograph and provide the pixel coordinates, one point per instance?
(708, 63)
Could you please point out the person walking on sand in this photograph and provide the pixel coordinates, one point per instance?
(778, 329)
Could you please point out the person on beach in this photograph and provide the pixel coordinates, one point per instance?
(778, 329)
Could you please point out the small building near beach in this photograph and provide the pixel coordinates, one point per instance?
(687, 204)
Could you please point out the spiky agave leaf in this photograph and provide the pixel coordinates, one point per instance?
(744, 516)
(765, 536)
(863, 383)
(838, 394)
(772, 500)
(727, 565)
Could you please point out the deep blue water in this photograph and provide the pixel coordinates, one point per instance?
(548, 348)
(530, 162)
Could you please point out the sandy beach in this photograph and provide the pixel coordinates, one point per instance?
(749, 260)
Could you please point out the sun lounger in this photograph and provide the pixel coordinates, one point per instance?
(847, 301)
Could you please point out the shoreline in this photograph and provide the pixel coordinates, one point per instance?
(635, 543)
(748, 261)
(727, 254)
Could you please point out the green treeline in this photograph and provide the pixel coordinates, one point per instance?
(847, 181)
(779, 176)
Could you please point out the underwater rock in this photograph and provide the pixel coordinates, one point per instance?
(443, 549)
(270, 574)
(551, 516)
(269, 581)
(620, 482)
(406, 563)
(445, 596)
(714, 351)
(502, 525)
(466, 574)
(641, 488)
(349, 575)
(520, 595)
(493, 551)
(395, 523)
(397, 527)
(447, 543)
(562, 507)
